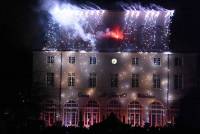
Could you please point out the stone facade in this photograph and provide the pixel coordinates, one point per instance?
(138, 87)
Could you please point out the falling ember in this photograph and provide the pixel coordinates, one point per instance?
(115, 33)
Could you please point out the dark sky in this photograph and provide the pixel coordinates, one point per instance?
(20, 29)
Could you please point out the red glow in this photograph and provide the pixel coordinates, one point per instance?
(115, 33)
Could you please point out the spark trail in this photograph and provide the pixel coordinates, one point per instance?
(80, 27)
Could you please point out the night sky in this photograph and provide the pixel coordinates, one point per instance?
(21, 28)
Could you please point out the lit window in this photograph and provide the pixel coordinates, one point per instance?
(71, 79)
(71, 112)
(114, 80)
(135, 113)
(91, 113)
(50, 59)
(49, 112)
(135, 80)
(156, 61)
(50, 79)
(92, 80)
(156, 115)
(178, 81)
(72, 60)
(178, 61)
(135, 61)
(156, 81)
(93, 60)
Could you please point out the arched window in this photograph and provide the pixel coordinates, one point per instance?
(91, 113)
(71, 113)
(114, 107)
(135, 113)
(49, 112)
(156, 116)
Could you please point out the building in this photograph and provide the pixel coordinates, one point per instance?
(129, 72)
(138, 87)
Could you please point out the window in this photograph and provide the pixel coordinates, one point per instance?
(93, 60)
(178, 81)
(71, 79)
(156, 81)
(178, 61)
(114, 107)
(114, 80)
(135, 80)
(72, 60)
(50, 59)
(92, 80)
(50, 79)
(91, 113)
(135, 113)
(156, 61)
(156, 115)
(49, 112)
(135, 61)
(71, 113)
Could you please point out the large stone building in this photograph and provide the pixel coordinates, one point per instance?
(96, 62)
(138, 87)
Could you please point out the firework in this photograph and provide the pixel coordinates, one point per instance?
(85, 28)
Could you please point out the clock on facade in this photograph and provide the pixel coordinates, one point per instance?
(114, 61)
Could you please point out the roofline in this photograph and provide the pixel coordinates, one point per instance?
(83, 51)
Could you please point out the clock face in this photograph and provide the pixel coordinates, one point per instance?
(114, 61)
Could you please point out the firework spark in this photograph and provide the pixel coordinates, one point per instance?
(82, 27)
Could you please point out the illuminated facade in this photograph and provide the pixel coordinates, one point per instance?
(138, 87)
(94, 62)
